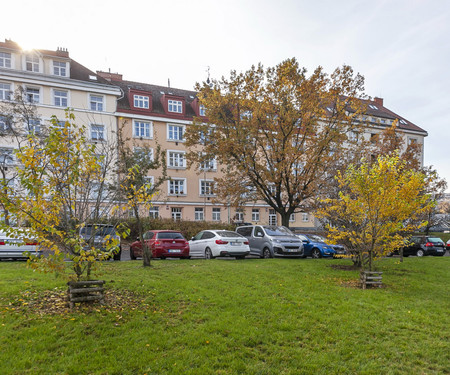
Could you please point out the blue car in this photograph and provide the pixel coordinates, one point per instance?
(315, 247)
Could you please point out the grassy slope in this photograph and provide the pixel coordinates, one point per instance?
(278, 316)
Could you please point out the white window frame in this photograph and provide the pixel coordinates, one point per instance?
(31, 59)
(273, 218)
(209, 165)
(96, 105)
(176, 159)
(173, 135)
(5, 124)
(239, 216)
(59, 68)
(177, 186)
(7, 156)
(58, 100)
(5, 60)
(206, 188)
(176, 213)
(141, 131)
(305, 217)
(216, 214)
(292, 217)
(5, 91)
(34, 126)
(256, 214)
(27, 88)
(174, 106)
(97, 129)
(142, 150)
(141, 101)
(153, 212)
(199, 214)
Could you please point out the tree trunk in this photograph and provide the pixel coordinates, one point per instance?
(285, 219)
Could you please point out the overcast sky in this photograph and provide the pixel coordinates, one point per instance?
(402, 47)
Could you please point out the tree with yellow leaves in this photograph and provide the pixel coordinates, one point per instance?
(378, 203)
(54, 190)
(277, 131)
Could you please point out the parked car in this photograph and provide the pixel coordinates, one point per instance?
(315, 246)
(448, 245)
(162, 244)
(424, 245)
(14, 248)
(340, 249)
(98, 235)
(219, 243)
(267, 241)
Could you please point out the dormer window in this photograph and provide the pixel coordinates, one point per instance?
(32, 63)
(59, 68)
(5, 60)
(175, 106)
(373, 106)
(141, 101)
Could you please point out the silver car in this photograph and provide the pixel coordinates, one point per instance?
(267, 241)
(14, 248)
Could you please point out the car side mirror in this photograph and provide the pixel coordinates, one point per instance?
(305, 241)
(193, 239)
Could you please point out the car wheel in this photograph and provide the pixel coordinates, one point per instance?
(132, 256)
(118, 255)
(315, 253)
(208, 253)
(162, 257)
(420, 253)
(266, 254)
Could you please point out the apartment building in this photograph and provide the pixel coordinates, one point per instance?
(149, 115)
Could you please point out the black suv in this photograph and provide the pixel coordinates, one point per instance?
(424, 245)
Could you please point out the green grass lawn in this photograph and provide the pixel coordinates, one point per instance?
(254, 316)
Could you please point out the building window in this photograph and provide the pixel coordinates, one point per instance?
(206, 187)
(175, 106)
(141, 101)
(412, 141)
(5, 124)
(176, 159)
(143, 154)
(202, 110)
(32, 63)
(176, 213)
(60, 98)
(154, 212)
(216, 214)
(292, 218)
(6, 156)
(5, 91)
(208, 165)
(59, 68)
(175, 132)
(199, 214)
(305, 217)
(239, 216)
(143, 129)
(33, 94)
(98, 132)
(34, 126)
(272, 217)
(96, 102)
(373, 137)
(255, 214)
(353, 136)
(149, 182)
(5, 60)
(177, 186)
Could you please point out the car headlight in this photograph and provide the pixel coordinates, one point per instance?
(275, 240)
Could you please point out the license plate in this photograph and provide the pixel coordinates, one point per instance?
(235, 243)
(292, 250)
(174, 250)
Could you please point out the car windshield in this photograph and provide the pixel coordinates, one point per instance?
(98, 231)
(170, 236)
(227, 233)
(434, 239)
(277, 231)
(316, 238)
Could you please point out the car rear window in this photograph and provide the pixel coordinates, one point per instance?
(434, 239)
(170, 236)
(228, 233)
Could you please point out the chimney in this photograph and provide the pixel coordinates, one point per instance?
(110, 76)
(63, 52)
(378, 101)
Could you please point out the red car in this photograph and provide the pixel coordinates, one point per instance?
(162, 244)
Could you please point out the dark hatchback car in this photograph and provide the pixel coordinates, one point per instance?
(162, 244)
(424, 245)
(316, 247)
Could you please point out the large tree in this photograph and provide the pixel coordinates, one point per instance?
(278, 131)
